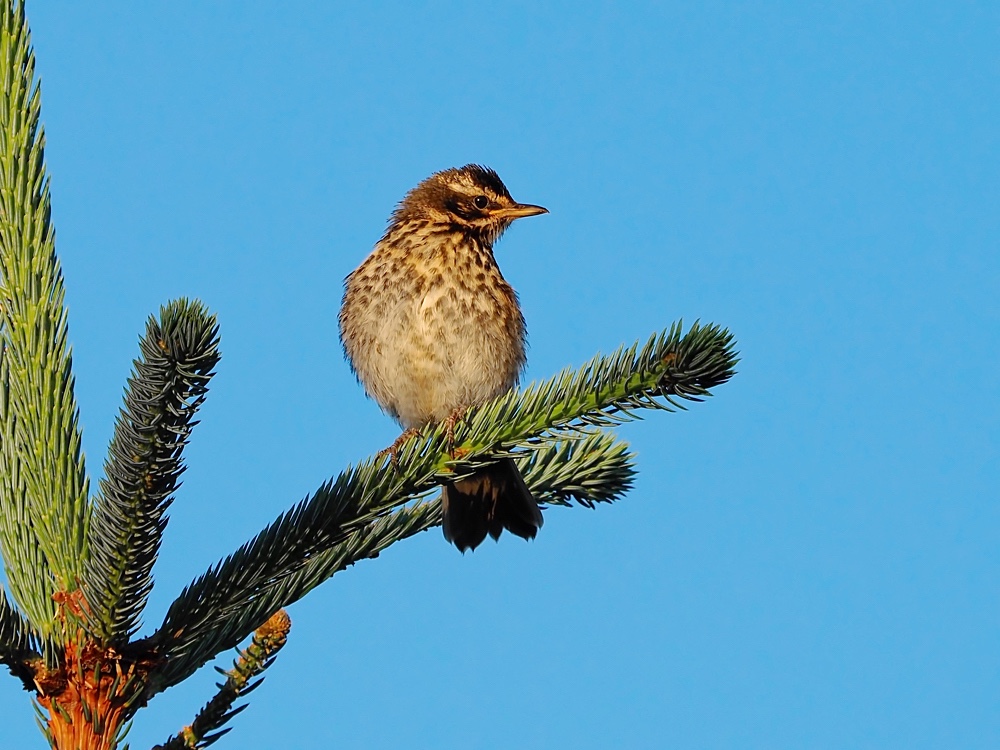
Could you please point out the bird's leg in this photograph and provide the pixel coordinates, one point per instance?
(456, 416)
(393, 450)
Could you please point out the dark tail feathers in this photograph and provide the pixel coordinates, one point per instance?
(488, 502)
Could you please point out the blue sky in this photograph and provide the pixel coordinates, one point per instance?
(808, 560)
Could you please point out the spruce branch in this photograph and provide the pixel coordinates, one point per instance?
(14, 630)
(268, 639)
(222, 620)
(340, 524)
(601, 468)
(597, 468)
(43, 485)
(79, 575)
(609, 390)
(168, 384)
(17, 642)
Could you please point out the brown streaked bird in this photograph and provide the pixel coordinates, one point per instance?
(431, 327)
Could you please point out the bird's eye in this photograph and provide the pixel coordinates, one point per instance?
(481, 201)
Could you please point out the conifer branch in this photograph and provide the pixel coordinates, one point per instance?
(341, 522)
(43, 485)
(79, 576)
(15, 631)
(222, 619)
(597, 468)
(268, 639)
(17, 645)
(168, 384)
(601, 469)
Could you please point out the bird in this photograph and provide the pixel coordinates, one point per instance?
(430, 327)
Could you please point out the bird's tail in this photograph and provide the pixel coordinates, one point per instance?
(488, 502)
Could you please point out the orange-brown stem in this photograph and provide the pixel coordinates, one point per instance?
(90, 696)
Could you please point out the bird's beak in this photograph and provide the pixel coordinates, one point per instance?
(519, 211)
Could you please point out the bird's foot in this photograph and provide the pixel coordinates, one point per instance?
(393, 450)
(456, 416)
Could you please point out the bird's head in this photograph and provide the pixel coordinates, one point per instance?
(471, 199)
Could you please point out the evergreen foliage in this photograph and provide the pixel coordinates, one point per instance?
(168, 384)
(205, 730)
(348, 519)
(79, 572)
(361, 511)
(42, 479)
(16, 642)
